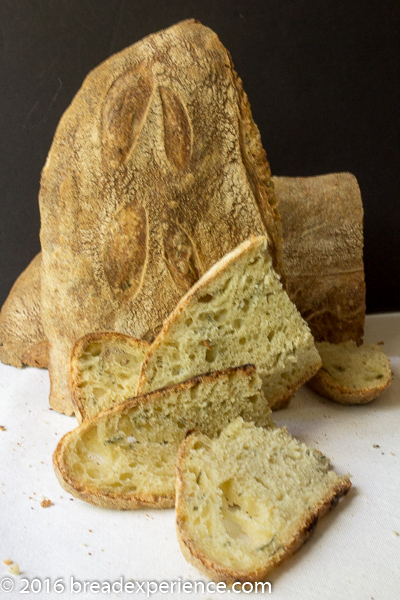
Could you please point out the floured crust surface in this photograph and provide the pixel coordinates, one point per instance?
(351, 374)
(242, 505)
(322, 222)
(22, 338)
(105, 369)
(124, 457)
(166, 120)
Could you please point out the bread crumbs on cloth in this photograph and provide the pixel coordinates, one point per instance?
(14, 567)
(45, 503)
(2, 428)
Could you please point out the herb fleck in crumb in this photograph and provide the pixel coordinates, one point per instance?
(375, 445)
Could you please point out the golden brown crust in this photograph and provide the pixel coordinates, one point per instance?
(93, 494)
(221, 573)
(134, 132)
(322, 222)
(81, 344)
(22, 338)
(326, 386)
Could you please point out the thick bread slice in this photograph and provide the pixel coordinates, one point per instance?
(105, 369)
(124, 457)
(155, 172)
(22, 338)
(249, 499)
(237, 313)
(351, 374)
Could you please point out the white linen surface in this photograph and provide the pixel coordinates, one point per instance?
(354, 553)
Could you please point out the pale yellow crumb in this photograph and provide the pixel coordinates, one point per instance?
(8, 561)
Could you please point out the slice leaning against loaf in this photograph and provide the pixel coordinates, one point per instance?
(105, 369)
(351, 374)
(237, 313)
(248, 499)
(124, 457)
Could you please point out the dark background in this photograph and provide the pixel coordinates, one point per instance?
(322, 77)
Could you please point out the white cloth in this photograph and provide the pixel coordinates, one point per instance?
(354, 553)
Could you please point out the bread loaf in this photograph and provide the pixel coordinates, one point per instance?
(158, 134)
(22, 338)
(329, 293)
(248, 499)
(322, 221)
(237, 313)
(124, 457)
(351, 374)
(105, 371)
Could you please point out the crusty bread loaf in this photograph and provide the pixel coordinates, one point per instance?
(105, 369)
(139, 198)
(248, 499)
(124, 457)
(322, 223)
(237, 313)
(22, 338)
(351, 374)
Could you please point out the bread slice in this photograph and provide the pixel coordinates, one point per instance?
(105, 369)
(250, 498)
(124, 457)
(351, 374)
(237, 313)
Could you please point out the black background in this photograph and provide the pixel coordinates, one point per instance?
(322, 77)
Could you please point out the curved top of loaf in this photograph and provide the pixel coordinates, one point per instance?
(173, 99)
